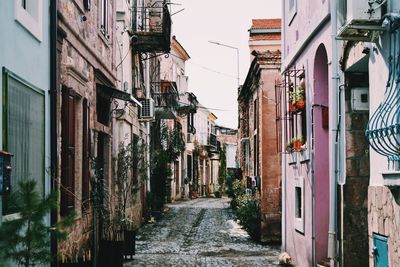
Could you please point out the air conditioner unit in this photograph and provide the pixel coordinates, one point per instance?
(147, 109)
(364, 10)
(363, 20)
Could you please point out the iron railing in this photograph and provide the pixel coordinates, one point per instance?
(165, 95)
(151, 27)
(383, 130)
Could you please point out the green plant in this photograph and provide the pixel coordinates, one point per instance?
(296, 95)
(167, 146)
(299, 93)
(249, 215)
(289, 146)
(127, 183)
(222, 170)
(26, 239)
(237, 190)
(100, 199)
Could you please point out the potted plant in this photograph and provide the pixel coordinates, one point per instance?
(299, 98)
(292, 101)
(298, 143)
(289, 146)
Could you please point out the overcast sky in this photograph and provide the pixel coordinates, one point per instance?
(227, 22)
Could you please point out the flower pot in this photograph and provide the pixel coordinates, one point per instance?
(129, 243)
(297, 145)
(111, 253)
(300, 104)
(292, 107)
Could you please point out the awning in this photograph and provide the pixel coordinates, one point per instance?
(112, 92)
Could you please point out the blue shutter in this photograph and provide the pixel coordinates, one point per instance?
(380, 251)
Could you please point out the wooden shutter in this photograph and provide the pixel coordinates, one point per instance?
(85, 152)
(68, 151)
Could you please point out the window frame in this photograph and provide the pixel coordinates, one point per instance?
(31, 22)
(104, 20)
(292, 12)
(6, 74)
(299, 221)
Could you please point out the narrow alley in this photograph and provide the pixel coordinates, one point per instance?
(200, 232)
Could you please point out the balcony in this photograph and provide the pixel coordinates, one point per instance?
(212, 140)
(151, 27)
(166, 99)
(187, 103)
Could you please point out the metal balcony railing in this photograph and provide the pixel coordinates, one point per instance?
(151, 27)
(212, 140)
(166, 98)
(383, 130)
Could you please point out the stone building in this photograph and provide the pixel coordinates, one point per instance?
(258, 157)
(87, 80)
(101, 76)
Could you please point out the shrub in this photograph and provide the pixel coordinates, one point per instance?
(248, 212)
(236, 190)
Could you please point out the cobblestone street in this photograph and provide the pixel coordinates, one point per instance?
(199, 232)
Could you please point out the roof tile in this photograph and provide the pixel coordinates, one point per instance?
(266, 24)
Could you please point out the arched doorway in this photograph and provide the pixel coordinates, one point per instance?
(320, 113)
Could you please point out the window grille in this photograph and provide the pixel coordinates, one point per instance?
(383, 130)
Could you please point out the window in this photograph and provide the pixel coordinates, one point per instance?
(294, 99)
(292, 10)
(103, 107)
(255, 114)
(189, 167)
(68, 151)
(255, 171)
(85, 152)
(104, 18)
(29, 13)
(24, 132)
(299, 204)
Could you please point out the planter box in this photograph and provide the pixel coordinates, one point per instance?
(129, 244)
(111, 253)
(76, 264)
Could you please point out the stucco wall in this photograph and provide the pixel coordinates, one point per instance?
(298, 244)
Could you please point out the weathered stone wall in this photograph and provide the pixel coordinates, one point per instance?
(355, 193)
(384, 219)
(83, 52)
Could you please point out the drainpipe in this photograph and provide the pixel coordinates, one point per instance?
(147, 84)
(53, 122)
(333, 141)
(284, 155)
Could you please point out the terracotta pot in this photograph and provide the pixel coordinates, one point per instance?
(292, 107)
(297, 145)
(300, 104)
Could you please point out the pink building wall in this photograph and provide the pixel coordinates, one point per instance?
(304, 30)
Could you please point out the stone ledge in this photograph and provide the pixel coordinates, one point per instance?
(391, 178)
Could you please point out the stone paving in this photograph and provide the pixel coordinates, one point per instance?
(200, 232)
